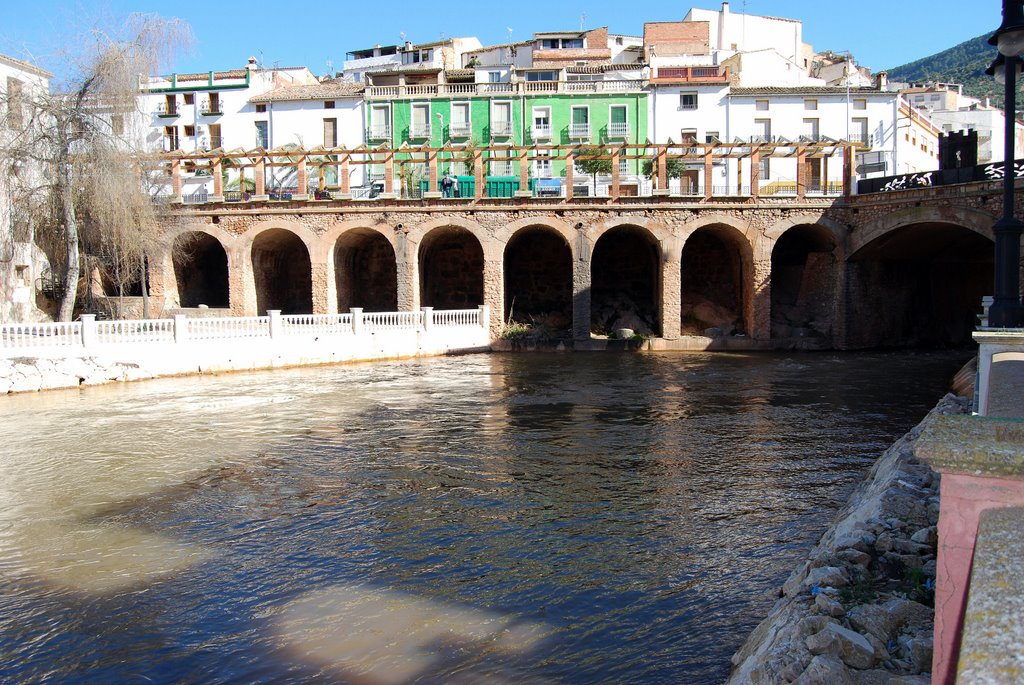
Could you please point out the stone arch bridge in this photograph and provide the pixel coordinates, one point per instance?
(884, 269)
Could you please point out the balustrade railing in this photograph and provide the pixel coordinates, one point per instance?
(89, 333)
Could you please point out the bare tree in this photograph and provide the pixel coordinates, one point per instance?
(88, 136)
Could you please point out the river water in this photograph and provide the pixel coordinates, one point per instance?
(572, 518)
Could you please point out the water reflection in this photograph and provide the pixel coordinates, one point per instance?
(535, 518)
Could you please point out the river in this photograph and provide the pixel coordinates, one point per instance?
(533, 518)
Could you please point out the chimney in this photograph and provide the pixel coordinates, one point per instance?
(883, 80)
(725, 8)
(251, 64)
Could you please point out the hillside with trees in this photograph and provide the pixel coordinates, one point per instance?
(965, 64)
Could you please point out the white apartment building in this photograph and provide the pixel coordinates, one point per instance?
(23, 266)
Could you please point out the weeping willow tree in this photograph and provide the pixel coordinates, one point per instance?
(87, 134)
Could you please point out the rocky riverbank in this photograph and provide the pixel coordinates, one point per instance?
(859, 610)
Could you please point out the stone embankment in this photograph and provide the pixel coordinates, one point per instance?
(858, 611)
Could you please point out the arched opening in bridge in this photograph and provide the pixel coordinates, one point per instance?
(804, 284)
(451, 263)
(918, 285)
(538, 280)
(365, 272)
(712, 282)
(282, 271)
(625, 281)
(200, 270)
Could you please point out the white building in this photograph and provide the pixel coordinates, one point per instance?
(23, 266)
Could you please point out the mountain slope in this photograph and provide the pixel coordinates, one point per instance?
(964, 63)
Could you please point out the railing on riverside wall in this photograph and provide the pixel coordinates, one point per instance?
(90, 334)
(21, 337)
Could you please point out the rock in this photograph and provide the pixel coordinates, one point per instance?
(825, 576)
(930, 568)
(926, 536)
(824, 670)
(829, 606)
(921, 649)
(885, 621)
(911, 680)
(910, 547)
(854, 540)
(905, 508)
(884, 543)
(795, 581)
(875, 676)
(810, 625)
(854, 557)
(853, 648)
(902, 561)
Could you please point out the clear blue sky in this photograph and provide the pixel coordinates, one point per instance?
(880, 33)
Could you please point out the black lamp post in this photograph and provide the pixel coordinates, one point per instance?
(1006, 310)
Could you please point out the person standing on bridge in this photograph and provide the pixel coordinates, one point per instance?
(446, 184)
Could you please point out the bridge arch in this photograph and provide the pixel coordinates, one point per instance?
(806, 280)
(625, 280)
(916, 277)
(716, 279)
(450, 267)
(363, 268)
(538, 276)
(282, 271)
(200, 268)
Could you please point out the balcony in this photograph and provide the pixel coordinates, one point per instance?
(211, 109)
(710, 74)
(861, 139)
(216, 142)
(166, 110)
(618, 129)
(581, 131)
(419, 131)
(541, 132)
(501, 129)
(378, 133)
(460, 129)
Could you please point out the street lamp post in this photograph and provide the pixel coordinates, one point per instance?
(1006, 310)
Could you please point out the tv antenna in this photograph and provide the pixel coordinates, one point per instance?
(509, 29)
(583, 19)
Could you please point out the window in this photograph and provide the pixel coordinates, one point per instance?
(328, 104)
(117, 124)
(860, 103)
(14, 103)
(542, 76)
(380, 122)
(420, 127)
(261, 108)
(764, 168)
(501, 119)
(330, 133)
(623, 166)
(580, 124)
(190, 98)
(213, 103)
(712, 137)
(541, 122)
(761, 105)
(688, 100)
(810, 133)
(542, 165)
(501, 167)
(190, 131)
(215, 138)
(460, 123)
(494, 77)
(417, 56)
(262, 135)
(810, 104)
(170, 105)
(859, 131)
(561, 43)
(688, 136)
(170, 138)
(618, 127)
(762, 131)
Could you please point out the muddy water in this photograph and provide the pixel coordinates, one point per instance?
(484, 519)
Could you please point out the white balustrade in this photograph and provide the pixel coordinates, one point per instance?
(123, 331)
(25, 336)
(228, 328)
(89, 334)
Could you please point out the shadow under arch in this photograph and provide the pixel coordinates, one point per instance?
(918, 285)
(282, 272)
(200, 265)
(451, 269)
(365, 271)
(716, 285)
(538, 278)
(805, 282)
(626, 281)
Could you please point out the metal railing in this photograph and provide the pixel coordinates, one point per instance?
(378, 133)
(419, 131)
(211, 109)
(163, 110)
(618, 129)
(501, 128)
(579, 130)
(460, 130)
(541, 131)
